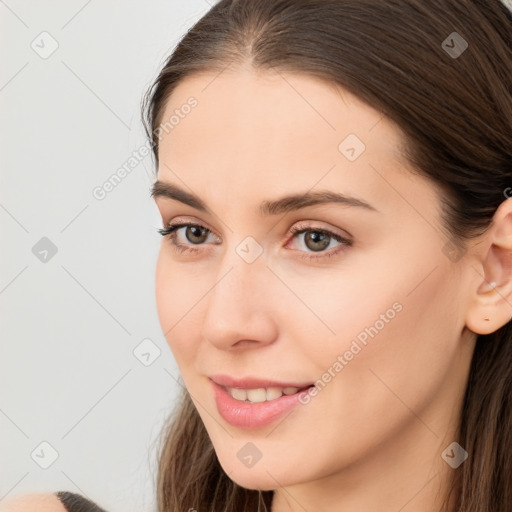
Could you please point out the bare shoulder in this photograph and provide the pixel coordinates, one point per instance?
(62, 501)
(35, 502)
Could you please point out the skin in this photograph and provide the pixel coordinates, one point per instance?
(372, 439)
(40, 502)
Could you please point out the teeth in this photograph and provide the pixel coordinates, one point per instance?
(261, 394)
(273, 393)
(239, 394)
(257, 395)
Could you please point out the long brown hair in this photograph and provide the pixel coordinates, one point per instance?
(454, 105)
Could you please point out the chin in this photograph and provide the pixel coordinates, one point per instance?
(259, 477)
(263, 482)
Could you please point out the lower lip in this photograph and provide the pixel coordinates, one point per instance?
(247, 415)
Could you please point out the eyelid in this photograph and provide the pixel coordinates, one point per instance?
(293, 231)
(307, 226)
(186, 220)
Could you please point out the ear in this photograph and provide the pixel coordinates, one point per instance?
(491, 290)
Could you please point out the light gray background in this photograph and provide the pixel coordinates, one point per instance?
(68, 374)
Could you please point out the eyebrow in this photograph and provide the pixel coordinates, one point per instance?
(284, 204)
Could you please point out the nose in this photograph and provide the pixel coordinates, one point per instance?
(240, 309)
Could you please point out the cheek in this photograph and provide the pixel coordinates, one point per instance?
(394, 324)
(176, 294)
(179, 291)
(405, 340)
(388, 294)
(163, 292)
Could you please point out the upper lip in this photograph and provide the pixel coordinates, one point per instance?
(255, 383)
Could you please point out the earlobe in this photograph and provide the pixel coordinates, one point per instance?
(491, 304)
(483, 316)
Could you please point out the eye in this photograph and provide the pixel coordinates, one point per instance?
(196, 234)
(317, 240)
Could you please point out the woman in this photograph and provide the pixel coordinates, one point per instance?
(395, 303)
(335, 277)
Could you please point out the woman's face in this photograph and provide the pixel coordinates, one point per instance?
(368, 302)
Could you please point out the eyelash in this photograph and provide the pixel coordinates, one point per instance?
(170, 232)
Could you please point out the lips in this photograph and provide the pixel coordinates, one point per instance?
(247, 414)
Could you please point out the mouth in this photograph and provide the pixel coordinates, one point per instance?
(256, 390)
(247, 403)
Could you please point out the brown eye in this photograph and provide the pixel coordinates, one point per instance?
(316, 240)
(196, 234)
(184, 236)
(314, 244)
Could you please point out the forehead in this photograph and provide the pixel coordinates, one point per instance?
(275, 106)
(248, 130)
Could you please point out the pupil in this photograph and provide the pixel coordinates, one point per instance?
(319, 240)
